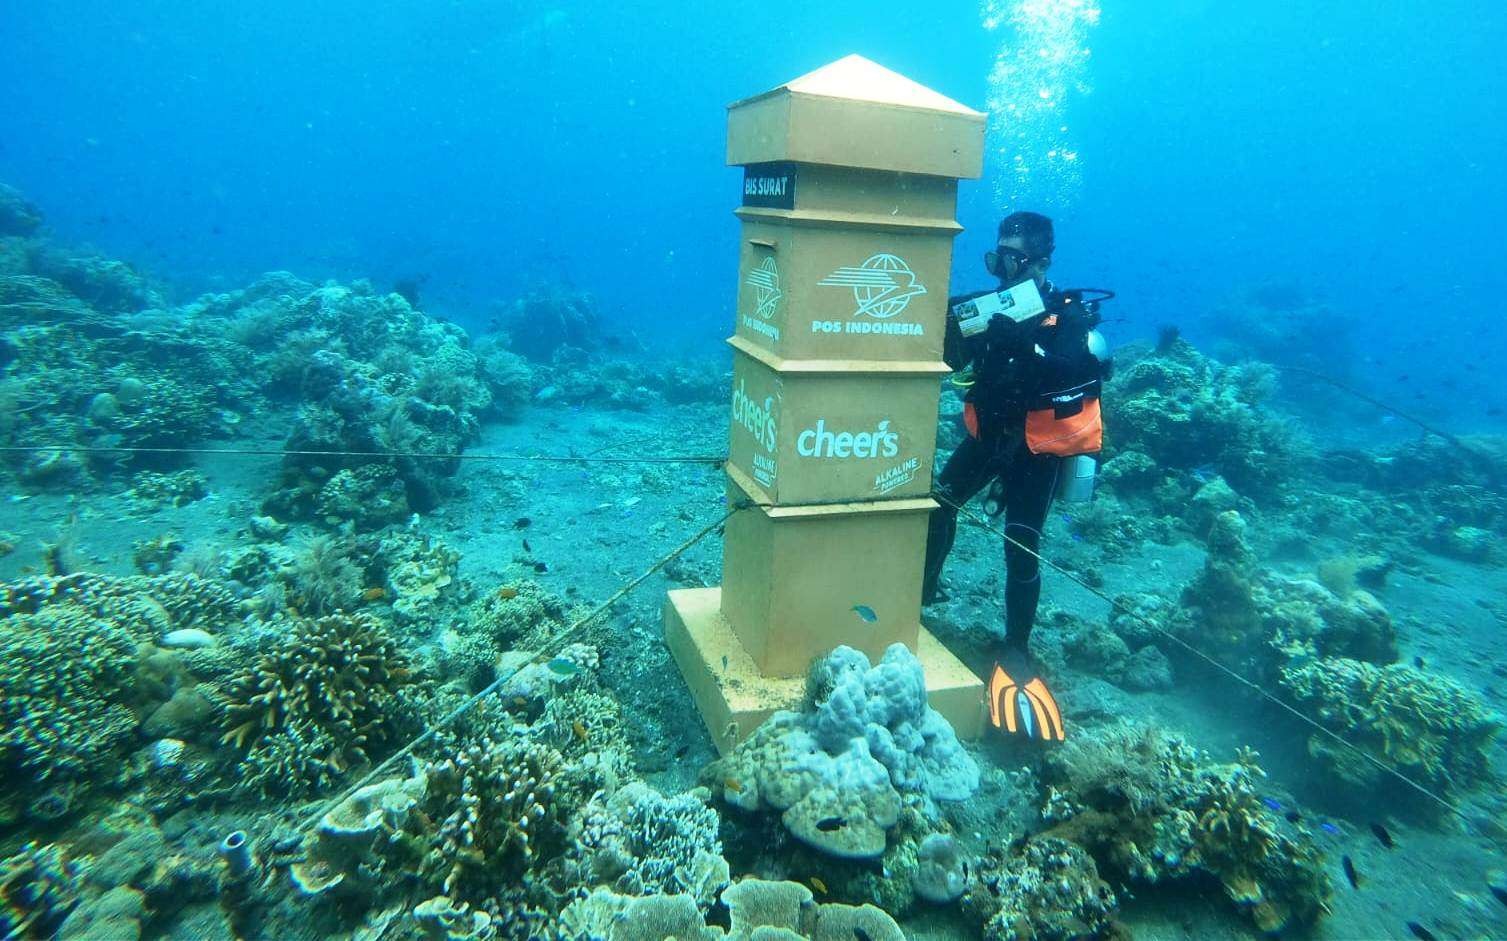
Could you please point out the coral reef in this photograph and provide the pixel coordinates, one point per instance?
(1192, 417)
(1044, 888)
(544, 320)
(323, 700)
(638, 842)
(39, 886)
(757, 909)
(1246, 616)
(839, 773)
(78, 669)
(1149, 808)
(17, 215)
(1426, 726)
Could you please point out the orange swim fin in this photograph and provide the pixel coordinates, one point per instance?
(1029, 710)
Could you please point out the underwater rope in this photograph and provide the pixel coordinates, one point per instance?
(280, 452)
(1260, 690)
(548, 651)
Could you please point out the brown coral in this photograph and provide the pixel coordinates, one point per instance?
(336, 676)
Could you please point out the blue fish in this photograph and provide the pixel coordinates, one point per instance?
(562, 668)
(865, 612)
(1330, 828)
(1272, 803)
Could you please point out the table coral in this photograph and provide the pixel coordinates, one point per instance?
(838, 772)
(1149, 807)
(1427, 726)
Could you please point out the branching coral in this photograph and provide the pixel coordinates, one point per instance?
(1427, 726)
(501, 812)
(640, 842)
(77, 668)
(326, 697)
(39, 886)
(1150, 807)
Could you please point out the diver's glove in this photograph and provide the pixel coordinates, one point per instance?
(1008, 336)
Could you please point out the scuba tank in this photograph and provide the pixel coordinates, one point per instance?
(1075, 479)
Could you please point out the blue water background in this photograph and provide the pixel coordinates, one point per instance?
(490, 146)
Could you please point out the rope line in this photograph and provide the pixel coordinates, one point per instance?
(1226, 670)
(549, 651)
(437, 455)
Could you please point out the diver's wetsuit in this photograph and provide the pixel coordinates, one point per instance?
(1012, 365)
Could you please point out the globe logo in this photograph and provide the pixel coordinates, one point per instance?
(882, 286)
(765, 280)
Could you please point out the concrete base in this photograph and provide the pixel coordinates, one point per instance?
(734, 699)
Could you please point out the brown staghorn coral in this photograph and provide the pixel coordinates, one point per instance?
(329, 688)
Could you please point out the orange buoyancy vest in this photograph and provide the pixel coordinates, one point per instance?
(1067, 422)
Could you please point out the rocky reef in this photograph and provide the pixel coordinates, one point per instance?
(1150, 808)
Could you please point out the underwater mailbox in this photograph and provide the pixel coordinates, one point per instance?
(847, 215)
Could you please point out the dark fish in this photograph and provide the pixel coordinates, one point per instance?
(828, 824)
(1420, 932)
(860, 934)
(1350, 872)
(1499, 892)
(1382, 836)
(1403, 378)
(1293, 816)
(1418, 662)
(865, 612)
(1494, 411)
(522, 522)
(527, 547)
(540, 567)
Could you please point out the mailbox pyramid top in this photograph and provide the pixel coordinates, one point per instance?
(857, 113)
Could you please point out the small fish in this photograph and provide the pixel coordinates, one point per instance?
(1350, 872)
(522, 522)
(860, 935)
(819, 885)
(540, 567)
(1293, 816)
(828, 824)
(507, 592)
(865, 612)
(1382, 836)
(1418, 662)
(724, 661)
(1420, 932)
(562, 667)
(733, 784)
(1499, 892)
(578, 729)
(527, 547)
(1204, 473)
(1271, 803)
(374, 594)
(1330, 828)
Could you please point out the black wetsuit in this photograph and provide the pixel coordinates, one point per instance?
(1013, 364)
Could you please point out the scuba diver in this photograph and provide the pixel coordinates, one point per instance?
(1032, 415)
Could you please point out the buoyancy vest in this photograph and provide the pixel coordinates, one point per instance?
(1053, 391)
